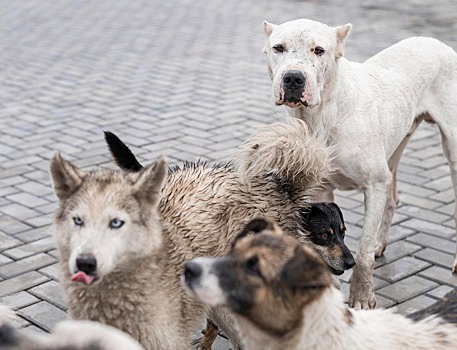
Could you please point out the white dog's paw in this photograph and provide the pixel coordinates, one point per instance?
(454, 266)
(361, 292)
(380, 248)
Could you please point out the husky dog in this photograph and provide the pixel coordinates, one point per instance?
(282, 297)
(368, 111)
(66, 335)
(123, 237)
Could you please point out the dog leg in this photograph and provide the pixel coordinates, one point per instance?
(392, 200)
(209, 336)
(361, 293)
(449, 141)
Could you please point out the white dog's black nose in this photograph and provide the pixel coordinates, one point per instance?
(86, 263)
(192, 271)
(294, 80)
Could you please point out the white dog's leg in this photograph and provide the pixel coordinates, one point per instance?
(361, 294)
(449, 140)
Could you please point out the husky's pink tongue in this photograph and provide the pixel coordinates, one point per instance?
(82, 277)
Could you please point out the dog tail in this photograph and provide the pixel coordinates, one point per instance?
(122, 155)
(301, 159)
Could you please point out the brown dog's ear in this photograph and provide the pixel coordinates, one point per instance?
(341, 35)
(149, 183)
(253, 227)
(66, 178)
(305, 270)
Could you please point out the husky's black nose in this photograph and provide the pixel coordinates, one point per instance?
(294, 80)
(192, 271)
(87, 264)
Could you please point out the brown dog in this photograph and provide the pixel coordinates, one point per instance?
(282, 297)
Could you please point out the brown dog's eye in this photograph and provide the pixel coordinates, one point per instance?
(319, 51)
(324, 236)
(279, 48)
(252, 264)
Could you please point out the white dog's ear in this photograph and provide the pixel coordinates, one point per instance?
(268, 28)
(341, 34)
(148, 185)
(66, 178)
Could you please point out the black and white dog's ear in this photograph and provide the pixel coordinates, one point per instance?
(252, 227)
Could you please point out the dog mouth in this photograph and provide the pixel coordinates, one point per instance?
(336, 272)
(293, 102)
(84, 278)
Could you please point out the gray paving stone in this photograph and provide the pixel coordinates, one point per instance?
(43, 314)
(429, 227)
(401, 268)
(52, 292)
(440, 275)
(22, 282)
(19, 300)
(31, 263)
(440, 292)
(407, 288)
(29, 249)
(52, 271)
(435, 257)
(397, 250)
(432, 242)
(7, 242)
(418, 303)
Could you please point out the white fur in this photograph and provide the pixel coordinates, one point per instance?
(325, 326)
(368, 112)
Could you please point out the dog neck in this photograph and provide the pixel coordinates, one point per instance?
(323, 324)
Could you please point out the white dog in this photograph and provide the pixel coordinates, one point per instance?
(368, 112)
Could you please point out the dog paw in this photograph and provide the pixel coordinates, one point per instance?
(380, 248)
(361, 292)
(454, 266)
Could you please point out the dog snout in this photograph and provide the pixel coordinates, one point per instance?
(349, 262)
(87, 264)
(192, 271)
(294, 80)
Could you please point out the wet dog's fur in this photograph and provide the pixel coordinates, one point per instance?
(282, 297)
(368, 112)
(319, 224)
(196, 211)
(66, 335)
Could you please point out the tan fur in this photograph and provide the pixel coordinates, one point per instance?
(307, 313)
(200, 212)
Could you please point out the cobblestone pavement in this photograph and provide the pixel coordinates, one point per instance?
(187, 79)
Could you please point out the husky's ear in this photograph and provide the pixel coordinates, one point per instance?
(305, 270)
(66, 178)
(148, 185)
(341, 35)
(268, 28)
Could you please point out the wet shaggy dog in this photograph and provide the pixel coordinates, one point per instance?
(123, 237)
(282, 297)
(322, 222)
(368, 112)
(66, 335)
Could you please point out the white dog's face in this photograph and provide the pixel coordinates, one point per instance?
(301, 58)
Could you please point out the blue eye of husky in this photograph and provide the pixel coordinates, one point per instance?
(78, 221)
(116, 223)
